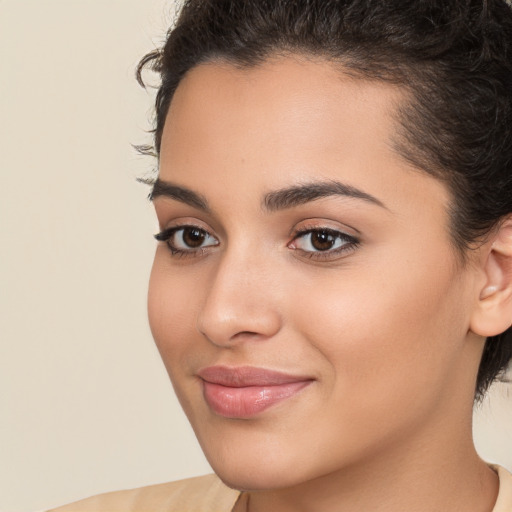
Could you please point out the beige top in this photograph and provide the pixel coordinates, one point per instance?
(208, 494)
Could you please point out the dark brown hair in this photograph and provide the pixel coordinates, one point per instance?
(454, 57)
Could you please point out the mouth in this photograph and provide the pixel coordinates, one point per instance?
(246, 391)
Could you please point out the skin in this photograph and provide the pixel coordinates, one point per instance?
(384, 328)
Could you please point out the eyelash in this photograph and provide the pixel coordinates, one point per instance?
(349, 242)
(167, 234)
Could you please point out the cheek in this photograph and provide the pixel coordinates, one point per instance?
(390, 332)
(171, 306)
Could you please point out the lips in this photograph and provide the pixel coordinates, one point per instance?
(244, 392)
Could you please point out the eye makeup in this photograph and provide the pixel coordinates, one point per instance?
(320, 243)
(187, 240)
(323, 243)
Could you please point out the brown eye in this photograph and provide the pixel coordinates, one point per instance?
(189, 240)
(193, 237)
(322, 240)
(326, 242)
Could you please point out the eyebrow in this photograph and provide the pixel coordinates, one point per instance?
(182, 194)
(306, 192)
(273, 201)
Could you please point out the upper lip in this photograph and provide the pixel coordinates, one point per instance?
(244, 376)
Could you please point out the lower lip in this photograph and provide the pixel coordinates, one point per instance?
(246, 402)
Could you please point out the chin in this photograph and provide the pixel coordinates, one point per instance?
(261, 466)
(254, 478)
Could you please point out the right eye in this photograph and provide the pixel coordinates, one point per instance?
(187, 240)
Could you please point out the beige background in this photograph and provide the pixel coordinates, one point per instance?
(85, 404)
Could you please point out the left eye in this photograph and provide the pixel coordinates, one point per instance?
(322, 240)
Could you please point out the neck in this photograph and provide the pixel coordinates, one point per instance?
(415, 477)
(430, 466)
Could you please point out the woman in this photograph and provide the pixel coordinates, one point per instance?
(332, 287)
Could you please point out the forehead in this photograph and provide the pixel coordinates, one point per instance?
(283, 101)
(288, 119)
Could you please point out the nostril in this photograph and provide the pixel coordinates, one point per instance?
(239, 336)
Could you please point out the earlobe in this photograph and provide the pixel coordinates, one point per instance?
(488, 291)
(493, 312)
(495, 276)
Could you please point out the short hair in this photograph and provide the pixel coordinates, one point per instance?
(453, 57)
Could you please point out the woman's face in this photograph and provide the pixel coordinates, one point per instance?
(306, 300)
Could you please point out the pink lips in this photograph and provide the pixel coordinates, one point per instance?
(245, 391)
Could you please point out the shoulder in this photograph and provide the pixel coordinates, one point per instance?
(504, 503)
(200, 494)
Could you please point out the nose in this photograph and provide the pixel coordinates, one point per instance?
(239, 304)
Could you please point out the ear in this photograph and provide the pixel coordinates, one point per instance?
(493, 312)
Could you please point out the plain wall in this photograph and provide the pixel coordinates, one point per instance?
(85, 403)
